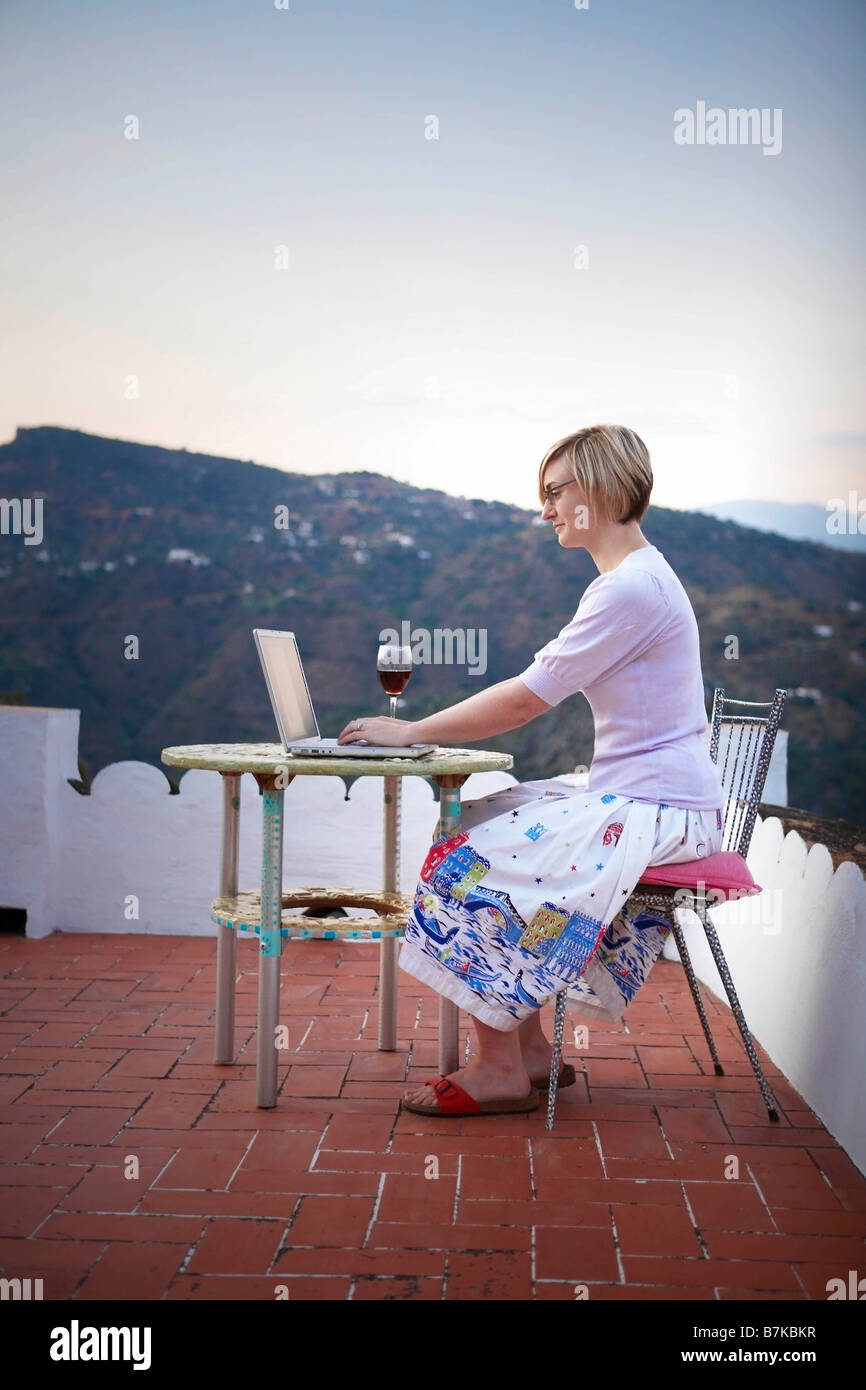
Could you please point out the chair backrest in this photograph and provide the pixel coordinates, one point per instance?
(750, 731)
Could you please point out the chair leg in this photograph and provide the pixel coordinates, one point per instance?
(679, 937)
(558, 1025)
(724, 972)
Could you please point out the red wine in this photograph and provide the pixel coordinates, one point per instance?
(395, 682)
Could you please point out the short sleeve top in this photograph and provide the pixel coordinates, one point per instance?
(632, 648)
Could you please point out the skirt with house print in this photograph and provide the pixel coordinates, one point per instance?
(535, 895)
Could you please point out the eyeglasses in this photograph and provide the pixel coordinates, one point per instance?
(551, 494)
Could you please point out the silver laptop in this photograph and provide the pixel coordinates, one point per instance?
(293, 708)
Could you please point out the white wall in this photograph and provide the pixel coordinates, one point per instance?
(797, 957)
(38, 751)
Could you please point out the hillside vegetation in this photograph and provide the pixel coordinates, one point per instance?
(181, 551)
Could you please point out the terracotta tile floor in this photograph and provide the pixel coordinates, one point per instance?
(133, 1167)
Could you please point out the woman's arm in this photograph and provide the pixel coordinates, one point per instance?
(496, 710)
(501, 707)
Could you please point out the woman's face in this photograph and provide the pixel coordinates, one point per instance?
(566, 506)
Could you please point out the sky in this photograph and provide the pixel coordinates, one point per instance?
(347, 236)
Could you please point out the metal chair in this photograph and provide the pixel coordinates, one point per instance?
(671, 888)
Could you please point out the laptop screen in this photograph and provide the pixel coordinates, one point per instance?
(287, 685)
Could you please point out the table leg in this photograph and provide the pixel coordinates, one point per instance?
(449, 1013)
(270, 946)
(388, 944)
(224, 1040)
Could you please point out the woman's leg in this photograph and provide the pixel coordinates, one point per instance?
(505, 1061)
(496, 1073)
(536, 1050)
(534, 1047)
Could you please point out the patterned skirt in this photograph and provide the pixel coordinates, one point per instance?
(532, 897)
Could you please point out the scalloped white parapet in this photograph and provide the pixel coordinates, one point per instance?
(797, 957)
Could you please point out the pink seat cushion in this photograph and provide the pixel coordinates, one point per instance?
(726, 873)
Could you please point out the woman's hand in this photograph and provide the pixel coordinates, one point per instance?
(378, 728)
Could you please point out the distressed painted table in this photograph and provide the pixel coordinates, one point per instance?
(274, 770)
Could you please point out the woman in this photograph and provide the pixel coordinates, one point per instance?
(528, 899)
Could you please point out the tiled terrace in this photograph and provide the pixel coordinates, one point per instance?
(107, 1045)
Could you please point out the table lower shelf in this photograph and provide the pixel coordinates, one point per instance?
(243, 913)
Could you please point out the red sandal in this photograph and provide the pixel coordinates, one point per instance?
(453, 1100)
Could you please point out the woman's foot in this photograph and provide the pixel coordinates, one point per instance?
(481, 1080)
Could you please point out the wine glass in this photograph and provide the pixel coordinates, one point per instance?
(394, 665)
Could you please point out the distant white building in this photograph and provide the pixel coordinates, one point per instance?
(189, 557)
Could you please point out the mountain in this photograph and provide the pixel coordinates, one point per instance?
(181, 552)
(834, 525)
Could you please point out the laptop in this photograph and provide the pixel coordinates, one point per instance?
(293, 708)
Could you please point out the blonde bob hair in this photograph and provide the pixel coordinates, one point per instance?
(612, 465)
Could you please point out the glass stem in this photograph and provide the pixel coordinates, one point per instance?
(393, 699)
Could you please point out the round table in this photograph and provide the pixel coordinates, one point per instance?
(274, 770)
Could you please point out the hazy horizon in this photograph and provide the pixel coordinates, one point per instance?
(707, 507)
